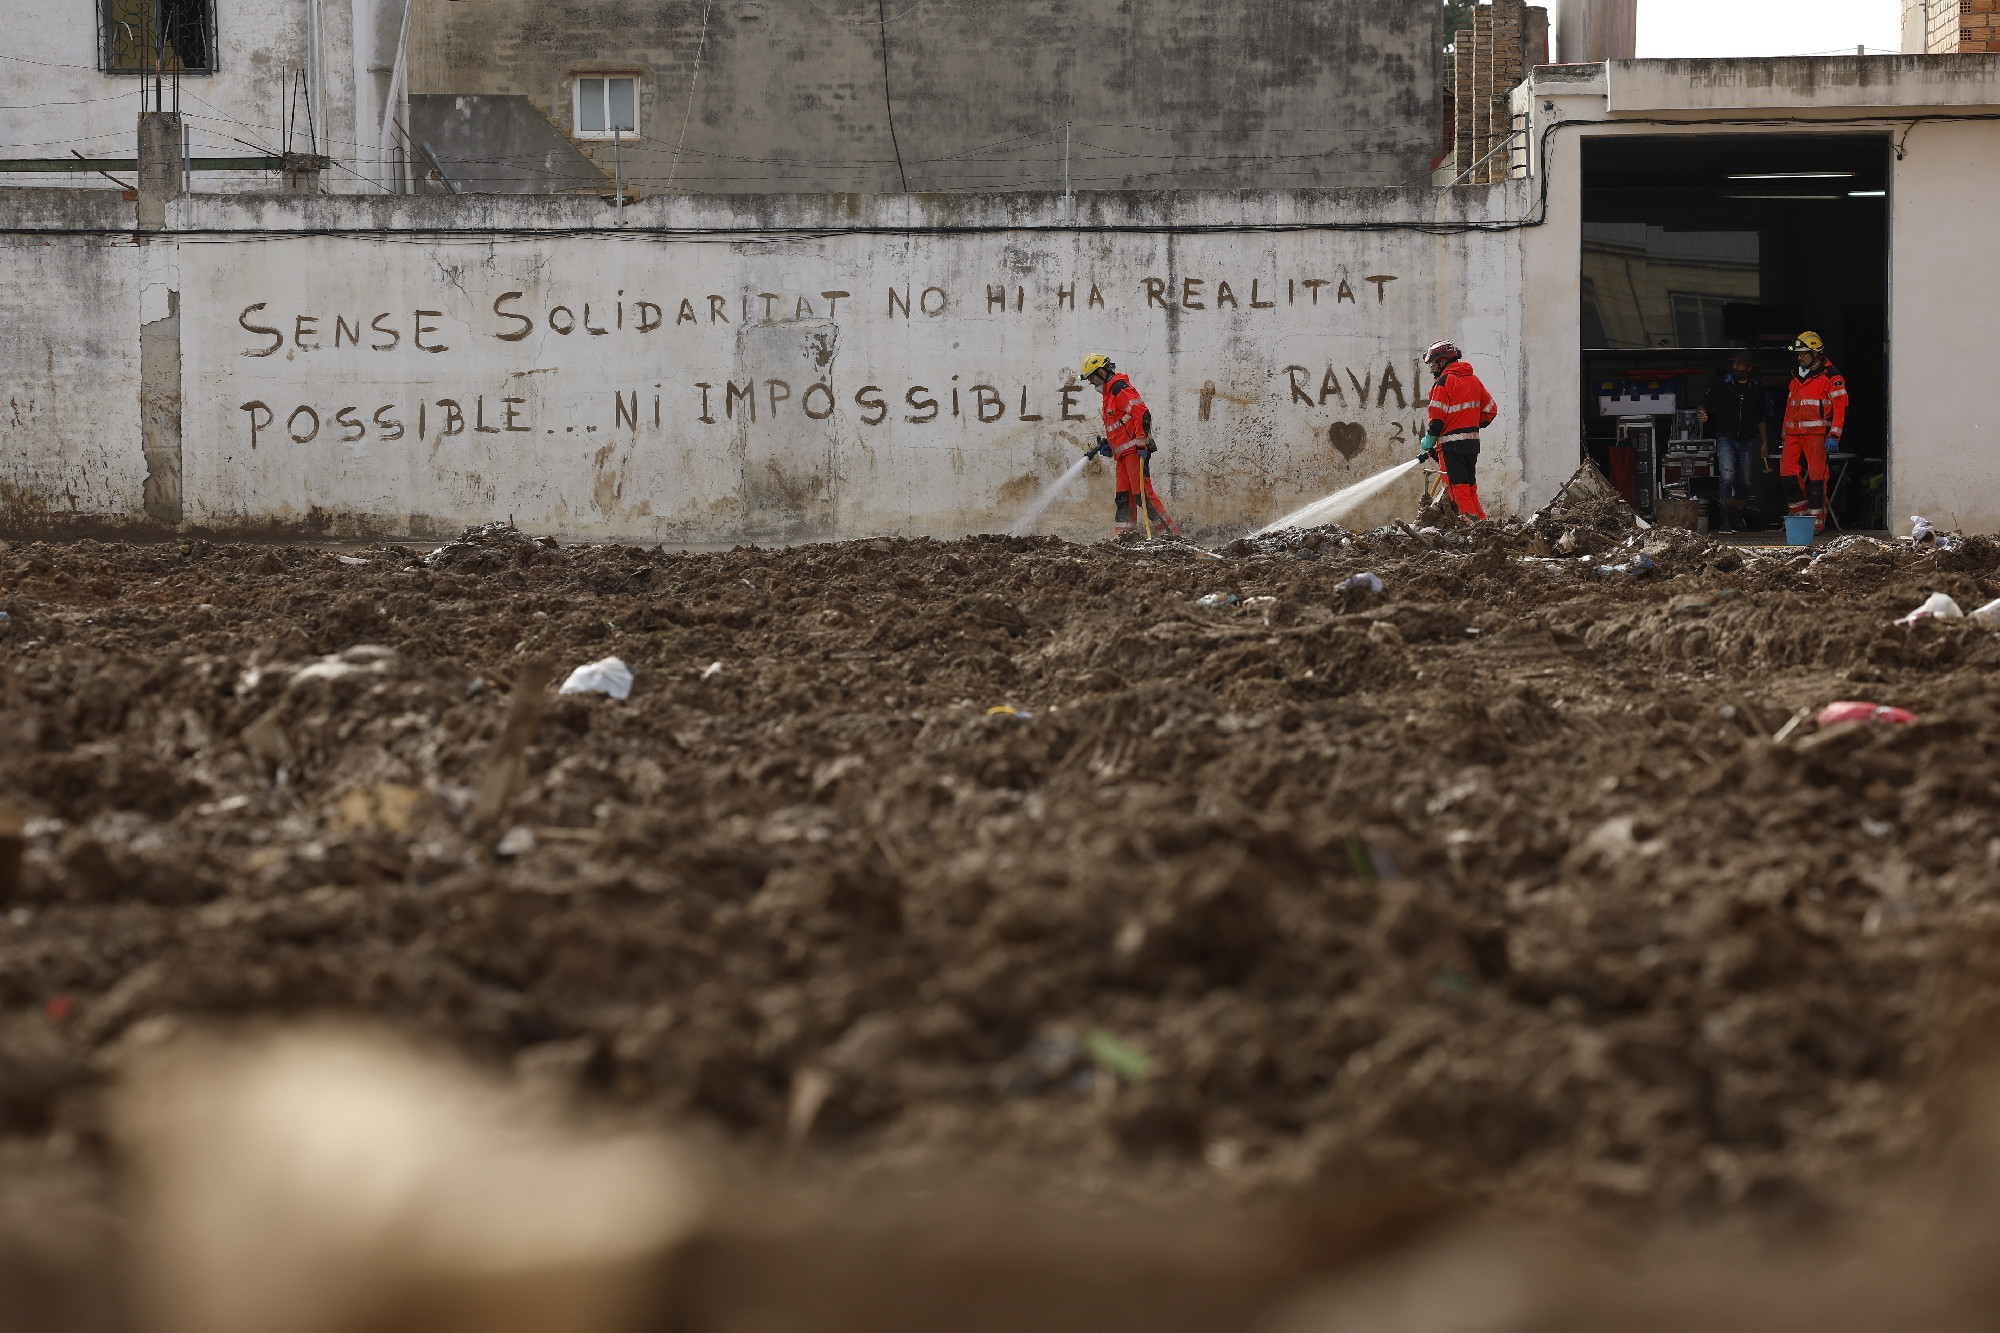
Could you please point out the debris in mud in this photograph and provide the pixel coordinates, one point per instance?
(473, 549)
(606, 676)
(1623, 939)
(1939, 606)
(1850, 710)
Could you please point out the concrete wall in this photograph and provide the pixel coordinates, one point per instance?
(1945, 455)
(495, 143)
(716, 388)
(765, 96)
(70, 440)
(1592, 31)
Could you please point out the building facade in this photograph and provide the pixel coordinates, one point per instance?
(789, 366)
(849, 96)
(250, 80)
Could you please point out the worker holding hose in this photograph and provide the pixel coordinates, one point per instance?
(1128, 442)
(1460, 409)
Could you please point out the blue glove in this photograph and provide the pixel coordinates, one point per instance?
(1103, 447)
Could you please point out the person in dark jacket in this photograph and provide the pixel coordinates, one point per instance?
(1738, 411)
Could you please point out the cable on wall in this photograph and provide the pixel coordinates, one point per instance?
(882, 20)
(736, 235)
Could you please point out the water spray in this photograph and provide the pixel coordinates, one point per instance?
(1331, 508)
(1026, 523)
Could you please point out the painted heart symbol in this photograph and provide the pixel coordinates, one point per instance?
(1350, 437)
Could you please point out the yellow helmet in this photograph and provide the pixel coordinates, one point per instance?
(1809, 342)
(1093, 363)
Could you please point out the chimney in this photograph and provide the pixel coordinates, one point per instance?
(1589, 31)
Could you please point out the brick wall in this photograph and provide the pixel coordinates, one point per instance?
(1949, 27)
(1976, 27)
(1491, 59)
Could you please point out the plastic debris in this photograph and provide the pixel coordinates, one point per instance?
(1937, 606)
(350, 560)
(453, 797)
(1921, 530)
(1216, 599)
(1854, 710)
(1360, 583)
(362, 658)
(1121, 1058)
(1638, 564)
(490, 537)
(4, 617)
(605, 676)
(1009, 711)
(714, 669)
(516, 841)
(1987, 615)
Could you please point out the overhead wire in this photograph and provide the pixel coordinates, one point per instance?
(694, 81)
(888, 98)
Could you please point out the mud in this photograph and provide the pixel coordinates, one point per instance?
(1496, 883)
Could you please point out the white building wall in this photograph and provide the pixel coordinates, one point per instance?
(401, 389)
(69, 366)
(58, 100)
(1945, 458)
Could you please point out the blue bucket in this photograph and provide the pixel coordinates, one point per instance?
(1799, 529)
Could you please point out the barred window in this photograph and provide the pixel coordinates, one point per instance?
(168, 36)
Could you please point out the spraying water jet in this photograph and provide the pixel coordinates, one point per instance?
(1331, 508)
(1026, 523)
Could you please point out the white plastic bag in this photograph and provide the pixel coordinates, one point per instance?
(607, 676)
(1938, 606)
(1988, 615)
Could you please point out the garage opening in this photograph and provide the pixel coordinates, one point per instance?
(1696, 248)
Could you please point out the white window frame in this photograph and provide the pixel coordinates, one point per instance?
(604, 80)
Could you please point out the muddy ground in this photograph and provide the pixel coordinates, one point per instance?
(1494, 884)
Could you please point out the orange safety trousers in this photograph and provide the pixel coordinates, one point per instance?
(1806, 450)
(1135, 478)
(1802, 468)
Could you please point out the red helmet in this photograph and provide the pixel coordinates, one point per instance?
(1446, 352)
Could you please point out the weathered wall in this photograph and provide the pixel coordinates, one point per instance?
(496, 143)
(326, 62)
(1945, 456)
(69, 364)
(1267, 94)
(912, 373)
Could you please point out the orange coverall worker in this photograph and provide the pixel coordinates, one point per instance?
(1128, 431)
(1460, 409)
(1815, 416)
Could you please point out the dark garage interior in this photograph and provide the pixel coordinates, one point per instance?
(1697, 247)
